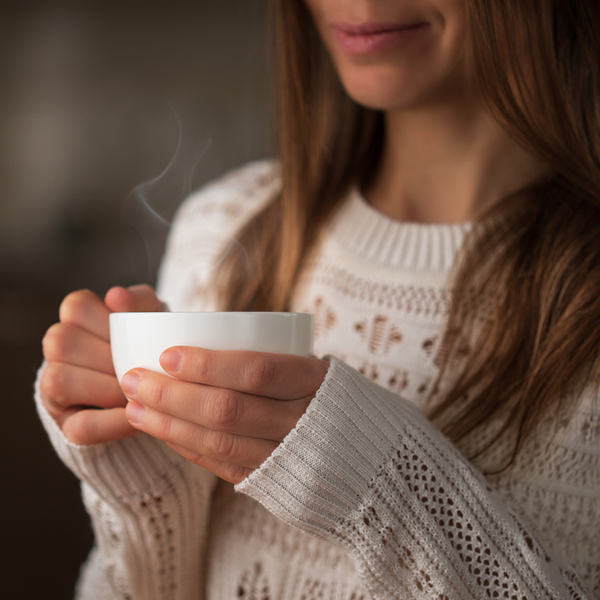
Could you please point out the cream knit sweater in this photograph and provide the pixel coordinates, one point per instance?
(364, 498)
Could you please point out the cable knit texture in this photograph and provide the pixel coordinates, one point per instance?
(364, 498)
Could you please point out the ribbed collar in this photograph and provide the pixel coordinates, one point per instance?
(372, 236)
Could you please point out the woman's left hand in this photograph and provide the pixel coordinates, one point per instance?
(223, 410)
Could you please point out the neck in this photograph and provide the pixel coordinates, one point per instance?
(444, 165)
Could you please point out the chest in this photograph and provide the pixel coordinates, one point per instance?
(387, 328)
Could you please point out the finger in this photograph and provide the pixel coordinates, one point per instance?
(137, 298)
(65, 388)
(224, 447)
(70, 344)
(87, 311)
(216, 408)
(87, 427)
(280, 376)
(232, 473)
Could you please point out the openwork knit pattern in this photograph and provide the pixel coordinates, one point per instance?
(364, 498)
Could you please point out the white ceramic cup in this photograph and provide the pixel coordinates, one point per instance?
(138, 339)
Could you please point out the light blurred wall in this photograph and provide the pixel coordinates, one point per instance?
(96, 98)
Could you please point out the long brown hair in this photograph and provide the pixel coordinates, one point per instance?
(526, 296)
(326, 142)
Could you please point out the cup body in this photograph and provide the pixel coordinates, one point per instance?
(138, 339)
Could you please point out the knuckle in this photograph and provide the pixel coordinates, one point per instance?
(224, 408)
(223, 445)
(52, 383)
(260, 373)
(162, 426)
(201, 365)
(157, 394)
(56, 342)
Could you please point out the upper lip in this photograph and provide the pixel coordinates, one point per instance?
(373, 28)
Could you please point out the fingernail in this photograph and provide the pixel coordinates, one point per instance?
(134, 412)
(130, 382)
(170, 360)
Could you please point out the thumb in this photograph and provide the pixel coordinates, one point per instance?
(137, 298)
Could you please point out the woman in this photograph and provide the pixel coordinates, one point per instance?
(458, 147)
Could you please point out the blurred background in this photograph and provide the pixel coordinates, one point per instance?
(106, 108)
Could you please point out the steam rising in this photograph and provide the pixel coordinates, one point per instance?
(149, 207)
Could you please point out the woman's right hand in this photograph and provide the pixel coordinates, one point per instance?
(79, 387)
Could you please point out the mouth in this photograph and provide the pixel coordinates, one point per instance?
(374, 37)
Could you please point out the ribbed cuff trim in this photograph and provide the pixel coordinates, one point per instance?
(322, 470)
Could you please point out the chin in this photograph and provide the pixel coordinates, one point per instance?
(387, 90)
(376, 96)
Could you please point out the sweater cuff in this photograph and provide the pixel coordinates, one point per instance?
(324, 469)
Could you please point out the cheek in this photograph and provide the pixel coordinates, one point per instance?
(454, 22)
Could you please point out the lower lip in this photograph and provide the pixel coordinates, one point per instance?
(376, 41)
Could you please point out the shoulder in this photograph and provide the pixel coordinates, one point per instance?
(205, 223)
(230, 199)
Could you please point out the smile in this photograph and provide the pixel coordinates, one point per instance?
(374, 37)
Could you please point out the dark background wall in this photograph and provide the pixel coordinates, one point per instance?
(98, 99)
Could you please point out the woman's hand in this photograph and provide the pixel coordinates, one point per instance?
(225, 411)
(79, 377)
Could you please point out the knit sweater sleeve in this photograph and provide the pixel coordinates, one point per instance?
(149, 506)
(364, 469)
(149, 510)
